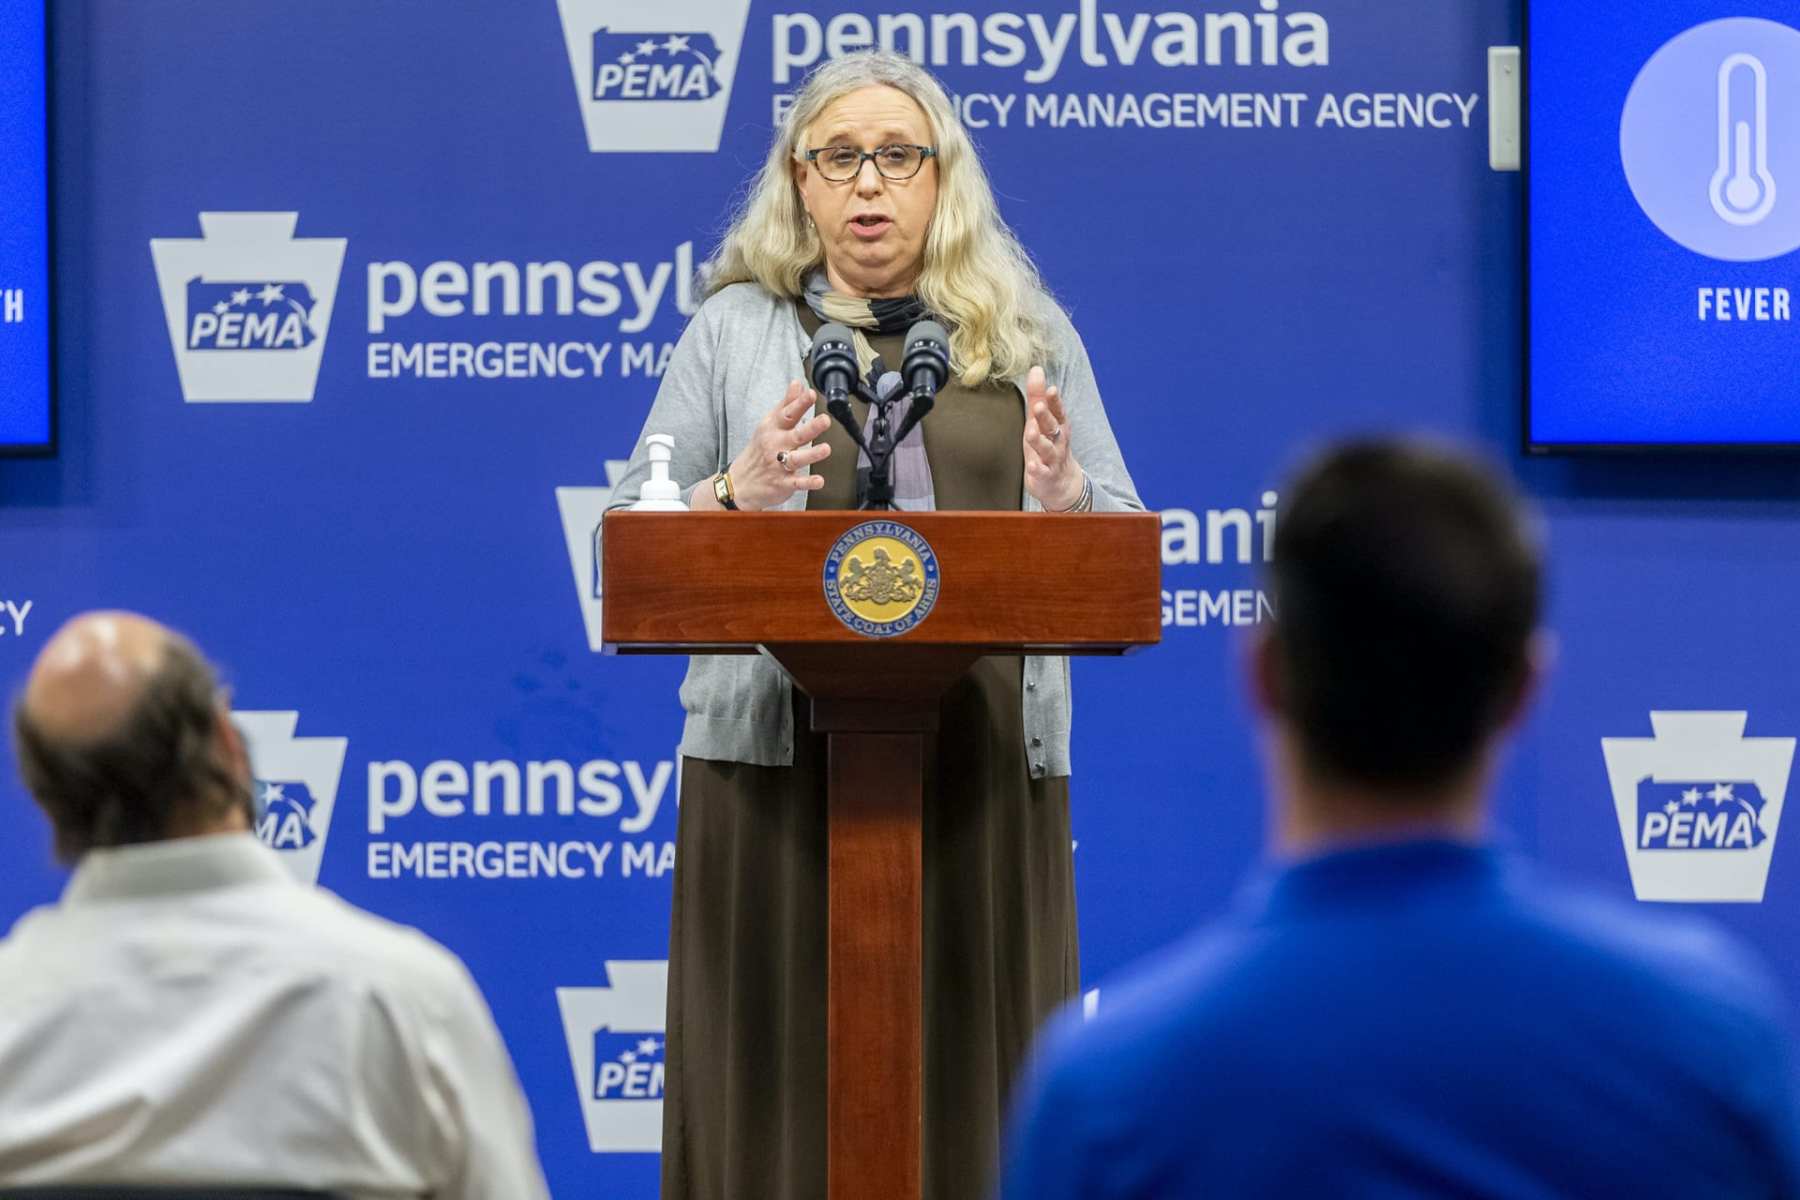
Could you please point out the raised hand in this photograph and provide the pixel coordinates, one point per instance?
(773, 464)
(1051, 472)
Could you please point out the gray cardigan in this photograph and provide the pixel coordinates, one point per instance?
(732, 364)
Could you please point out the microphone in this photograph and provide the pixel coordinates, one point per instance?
(926, 364)
(832, 365)
(926, 367)
(832, 362)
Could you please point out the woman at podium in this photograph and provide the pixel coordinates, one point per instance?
(872, 211)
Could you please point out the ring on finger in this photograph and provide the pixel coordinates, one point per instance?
(1056, 434)
(781, 457)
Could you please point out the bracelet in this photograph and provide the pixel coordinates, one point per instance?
(1085, 501)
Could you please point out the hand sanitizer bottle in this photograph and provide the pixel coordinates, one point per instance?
(660, 494)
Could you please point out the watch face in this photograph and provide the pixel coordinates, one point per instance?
(722, 491)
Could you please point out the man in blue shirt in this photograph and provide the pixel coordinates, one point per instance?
(1397, 1009)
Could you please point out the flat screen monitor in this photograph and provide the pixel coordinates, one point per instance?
(1662, 161)
(26, 422)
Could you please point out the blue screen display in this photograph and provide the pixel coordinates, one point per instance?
(1664, 219)
(24, 231)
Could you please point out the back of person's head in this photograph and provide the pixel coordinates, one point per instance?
(1406, 581)
(123, 737)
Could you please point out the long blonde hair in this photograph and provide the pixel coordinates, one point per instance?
(975, 275)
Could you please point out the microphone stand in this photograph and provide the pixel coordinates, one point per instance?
(880, 495)
(882, 441)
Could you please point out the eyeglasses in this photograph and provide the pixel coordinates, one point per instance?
(896, 162)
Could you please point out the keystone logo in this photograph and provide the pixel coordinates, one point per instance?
(295, 788)
(1699, 805)
(653, 75)
(248, 305)
(616, 1043)
(582, 508)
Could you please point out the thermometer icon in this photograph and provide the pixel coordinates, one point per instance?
(1743, 191)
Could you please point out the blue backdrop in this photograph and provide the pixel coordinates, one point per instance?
(295, 252)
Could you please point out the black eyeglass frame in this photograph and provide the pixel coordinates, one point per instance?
(925, 152)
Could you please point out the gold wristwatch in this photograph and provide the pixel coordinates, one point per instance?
(722, 491)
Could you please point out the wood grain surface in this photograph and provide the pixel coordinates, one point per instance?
(1082, 583)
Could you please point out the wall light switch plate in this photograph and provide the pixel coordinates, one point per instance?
(1503, 108)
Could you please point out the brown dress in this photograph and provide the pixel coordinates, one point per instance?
(744, 1111)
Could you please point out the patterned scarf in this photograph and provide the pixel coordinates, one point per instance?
(909, 469)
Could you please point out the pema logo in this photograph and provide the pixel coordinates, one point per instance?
(247, 305)
(1698, 805)
(295, 787)
(635, 66)
(615, 1037)
(1694, 816)
(284, 814)
(653, 75)
(246, 316)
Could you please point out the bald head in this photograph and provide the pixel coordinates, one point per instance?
(122, 737)
(91, 674)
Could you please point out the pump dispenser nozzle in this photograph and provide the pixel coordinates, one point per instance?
(660, 493)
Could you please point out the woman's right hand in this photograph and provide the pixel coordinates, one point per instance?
(758, 477)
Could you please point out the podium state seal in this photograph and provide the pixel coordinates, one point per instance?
(881, 578)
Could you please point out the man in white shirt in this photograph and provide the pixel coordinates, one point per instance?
(187, 1014)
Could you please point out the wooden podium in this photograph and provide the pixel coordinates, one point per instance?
(776, 583)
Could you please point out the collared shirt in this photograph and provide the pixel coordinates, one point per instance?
(731, 366)
(1421, 1020)
(188, 1014)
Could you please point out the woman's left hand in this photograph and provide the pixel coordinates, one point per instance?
(1051, 472)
